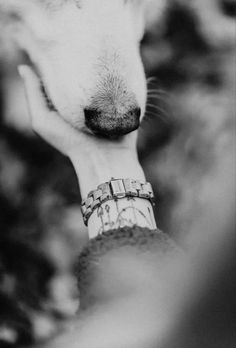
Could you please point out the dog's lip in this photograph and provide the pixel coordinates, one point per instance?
(89, 132)
(34, 67)
(43, 86)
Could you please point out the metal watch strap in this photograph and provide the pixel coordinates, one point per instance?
(113, 190)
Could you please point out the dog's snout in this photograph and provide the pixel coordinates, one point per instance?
(110, 124)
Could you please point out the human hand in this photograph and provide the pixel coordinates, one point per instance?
(95, 159)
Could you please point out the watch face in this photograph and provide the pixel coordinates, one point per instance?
(117, 188)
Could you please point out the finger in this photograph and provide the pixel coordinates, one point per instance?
(36, 103)
(24, 39)
(48, 124)
(43, 119)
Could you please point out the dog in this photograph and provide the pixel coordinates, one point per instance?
(87, 56)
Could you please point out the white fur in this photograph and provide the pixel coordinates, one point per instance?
(77, 46)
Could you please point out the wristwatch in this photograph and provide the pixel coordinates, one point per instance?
(113, 190)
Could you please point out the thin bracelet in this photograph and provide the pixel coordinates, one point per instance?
(113, 190)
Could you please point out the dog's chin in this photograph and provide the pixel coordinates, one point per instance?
(112, 127)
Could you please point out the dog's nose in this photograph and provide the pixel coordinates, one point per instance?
(112, 124)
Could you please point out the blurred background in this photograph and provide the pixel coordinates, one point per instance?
(187, 148)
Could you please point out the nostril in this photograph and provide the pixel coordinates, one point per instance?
(136, 113)
(91, 114)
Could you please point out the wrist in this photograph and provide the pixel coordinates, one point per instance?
(97, 168)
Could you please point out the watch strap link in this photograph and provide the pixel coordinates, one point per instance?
(115, 189)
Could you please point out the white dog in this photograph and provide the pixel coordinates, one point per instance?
(86, 53)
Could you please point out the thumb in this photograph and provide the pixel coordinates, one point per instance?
(48, 124)
(35, 100)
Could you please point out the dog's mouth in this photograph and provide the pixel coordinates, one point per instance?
(51, 106)
(116, 125)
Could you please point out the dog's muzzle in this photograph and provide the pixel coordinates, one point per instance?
(112, 125)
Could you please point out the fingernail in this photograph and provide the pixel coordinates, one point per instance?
(21, 70)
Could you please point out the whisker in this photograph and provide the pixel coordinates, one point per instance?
(155, 96)
(160, 91)
(158, 94)
(155, 93)
(159, 111)
(154, 107)
(157, 107)
(152, 114)
(150, 79)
